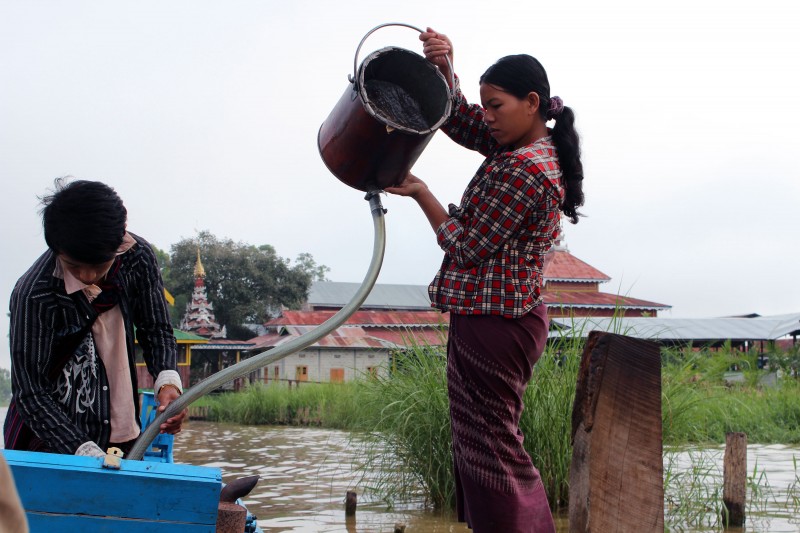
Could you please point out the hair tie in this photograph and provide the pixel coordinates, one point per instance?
(556, 107)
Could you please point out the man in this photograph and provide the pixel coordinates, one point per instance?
(73, 315)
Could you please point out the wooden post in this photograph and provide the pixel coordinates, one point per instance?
(231, 518)
(350, 503)
(616, 475)
(734, 490)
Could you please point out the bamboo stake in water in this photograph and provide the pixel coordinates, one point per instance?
(734, 491)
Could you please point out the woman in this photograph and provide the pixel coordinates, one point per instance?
(490, 280)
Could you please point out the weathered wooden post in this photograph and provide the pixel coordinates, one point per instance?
(350, 503)
(734, 479)
(231, 518)
(616, 475)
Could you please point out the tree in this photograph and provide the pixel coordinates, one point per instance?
(246, 283)
(5, 385)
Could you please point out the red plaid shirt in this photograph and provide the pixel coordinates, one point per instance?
(496, 240)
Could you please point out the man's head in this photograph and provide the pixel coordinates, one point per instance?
(84, 220)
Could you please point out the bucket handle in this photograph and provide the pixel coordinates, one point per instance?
(352, 78)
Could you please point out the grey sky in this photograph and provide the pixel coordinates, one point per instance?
(204, 115)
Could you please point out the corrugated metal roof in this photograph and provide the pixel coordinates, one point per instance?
(382, 296)
(684, 329)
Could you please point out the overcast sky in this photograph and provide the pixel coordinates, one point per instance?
(204, 115)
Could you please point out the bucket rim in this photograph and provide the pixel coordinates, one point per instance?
(391, 123)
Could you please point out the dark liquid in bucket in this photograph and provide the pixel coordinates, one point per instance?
(395, 104)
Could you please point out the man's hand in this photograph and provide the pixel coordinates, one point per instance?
(166, 396)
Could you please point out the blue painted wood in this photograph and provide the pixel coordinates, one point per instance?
(141, 492)
(91, 524)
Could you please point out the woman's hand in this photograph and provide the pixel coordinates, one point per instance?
(415, 188)
(411, 186)
(437, 47)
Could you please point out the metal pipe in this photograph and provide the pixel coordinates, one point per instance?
(222, 377)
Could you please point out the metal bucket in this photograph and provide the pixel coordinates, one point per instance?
(396, 101)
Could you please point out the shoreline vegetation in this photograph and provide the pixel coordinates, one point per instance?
(401, 421)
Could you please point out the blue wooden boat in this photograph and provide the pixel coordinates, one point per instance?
(68, 493)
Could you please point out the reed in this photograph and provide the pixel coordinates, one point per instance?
(693, 485)
(546, 421)
(406, 430)
(701, 405)
(401, 420)
(330, 404)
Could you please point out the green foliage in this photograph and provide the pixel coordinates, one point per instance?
(693, 492)
(332, 405)
(547, 419)
(246, 283)
(406, 424)
(403, 419)
(702, 399)
(5, 386)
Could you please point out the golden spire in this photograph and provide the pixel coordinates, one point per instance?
(199, 271)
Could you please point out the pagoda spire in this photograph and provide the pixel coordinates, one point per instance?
(199, 271)
(199, 316)
(560, 243)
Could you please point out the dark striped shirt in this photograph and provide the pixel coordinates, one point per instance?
(66, 406)
(508, 218)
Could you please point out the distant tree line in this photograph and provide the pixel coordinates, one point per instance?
(5, 386)
(247, 284)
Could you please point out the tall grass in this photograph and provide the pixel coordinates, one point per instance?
(546, 421)
(406, 429)
(403, 419)
(333, 405)
(700, 404)
(693, 493)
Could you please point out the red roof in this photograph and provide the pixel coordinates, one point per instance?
(563, 266)
(363, 318)
(597, 300)
(344, 337)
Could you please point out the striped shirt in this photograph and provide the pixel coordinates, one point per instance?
(73, 408)
(495, 240)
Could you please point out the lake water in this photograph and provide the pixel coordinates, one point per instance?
(305, 474)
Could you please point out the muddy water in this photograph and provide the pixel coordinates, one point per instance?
(305, 475)
(306, 472)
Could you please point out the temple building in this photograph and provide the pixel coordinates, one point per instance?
(571, 288)
(199, 317)
(395, 317)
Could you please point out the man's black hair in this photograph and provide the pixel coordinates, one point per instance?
(84, 220)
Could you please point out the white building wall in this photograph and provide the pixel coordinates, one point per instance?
(355, 363)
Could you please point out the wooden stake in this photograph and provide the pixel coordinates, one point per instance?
(616, 475)
(350, 503)
(734, 490)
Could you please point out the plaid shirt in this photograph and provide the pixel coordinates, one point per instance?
(496, 239)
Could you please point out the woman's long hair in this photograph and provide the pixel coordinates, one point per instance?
(520, 75)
